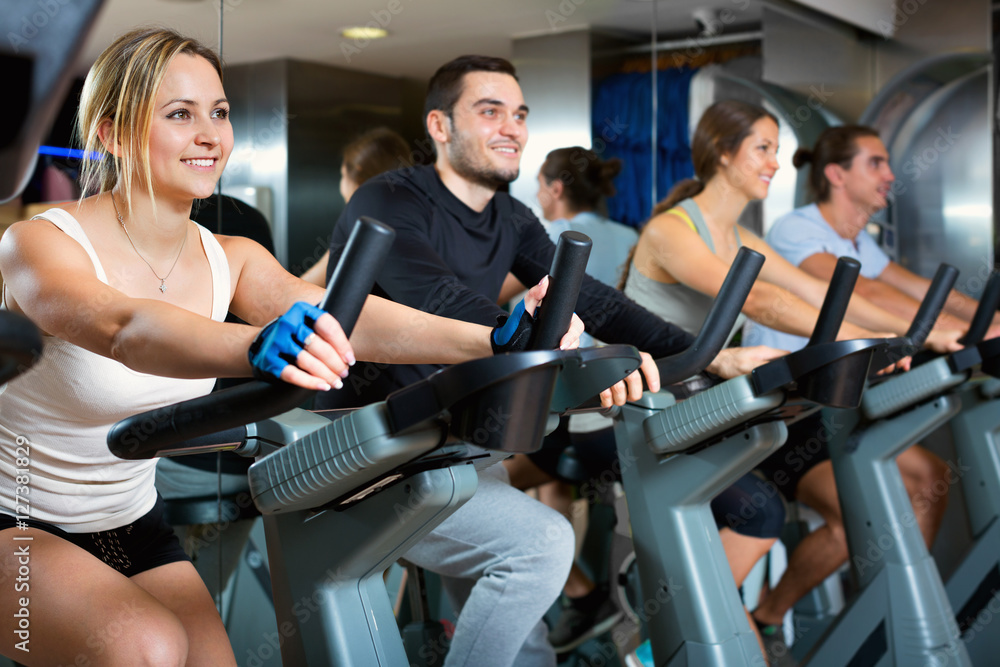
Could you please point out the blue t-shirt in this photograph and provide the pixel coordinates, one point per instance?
(801, 234)
(612, 243)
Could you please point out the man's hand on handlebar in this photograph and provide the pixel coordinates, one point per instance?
(944, 341)
(630, 389)
(730, 363)
(735, 361)
(533, 299)
(306, 347)
(571, 339)
(902, 365)
(941, 341)
(517, 333)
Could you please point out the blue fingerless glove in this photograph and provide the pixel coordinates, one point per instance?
(515, 333)
(280, 341)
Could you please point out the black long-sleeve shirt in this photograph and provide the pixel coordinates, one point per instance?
(450, 260)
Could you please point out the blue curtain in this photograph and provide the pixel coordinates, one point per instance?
(622, 125)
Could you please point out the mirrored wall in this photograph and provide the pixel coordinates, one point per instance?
(301, 90)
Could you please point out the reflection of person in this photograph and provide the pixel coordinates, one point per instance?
(374, 152)
(504, 557)
(131, 295)
(682, 258)
(688, 245)
(850, 178)
(572, 184)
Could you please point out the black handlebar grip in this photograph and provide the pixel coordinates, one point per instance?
(838, 296)
(145, 435)
(569, 264)
(360, 263)
(719, 321)
(932, 304)
(155, 432)
(20, 345)
(983, 317)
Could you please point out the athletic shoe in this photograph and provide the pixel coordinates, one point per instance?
(641, 657)
(582, 619)
(773, 638)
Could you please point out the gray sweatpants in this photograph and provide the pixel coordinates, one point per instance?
(504, 558)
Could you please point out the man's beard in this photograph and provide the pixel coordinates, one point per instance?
(874, 205)
(481, 172)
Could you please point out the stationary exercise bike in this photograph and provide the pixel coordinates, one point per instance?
(974, 585)
(344, 495)
(936, 385)
(20, 348)
(677, 456)
(901, 614)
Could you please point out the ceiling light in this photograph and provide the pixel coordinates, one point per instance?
(364, 32)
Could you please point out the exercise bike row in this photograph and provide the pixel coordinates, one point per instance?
(811, 373)
(326, 475)
(902, 613)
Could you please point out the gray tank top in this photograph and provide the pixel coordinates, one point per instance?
(675, 302)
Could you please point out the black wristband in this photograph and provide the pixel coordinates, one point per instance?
(521, 339)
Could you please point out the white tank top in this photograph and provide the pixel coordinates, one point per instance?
(63, 407)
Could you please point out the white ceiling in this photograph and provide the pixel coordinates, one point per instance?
(423, 33)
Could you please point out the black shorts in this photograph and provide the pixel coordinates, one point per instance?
(750, 507)
(595, 452)
(147, 542)
(805, 448)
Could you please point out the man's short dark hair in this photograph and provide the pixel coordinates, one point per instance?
(445, 86)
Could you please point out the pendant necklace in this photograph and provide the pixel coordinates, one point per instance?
(163, 280)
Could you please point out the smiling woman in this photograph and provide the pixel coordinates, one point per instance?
(686, 248)
(131, 295)
(124, 125)
(95, 275)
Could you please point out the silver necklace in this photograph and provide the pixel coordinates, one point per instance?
(163, 280)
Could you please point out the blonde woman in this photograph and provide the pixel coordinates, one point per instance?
(131, 296)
